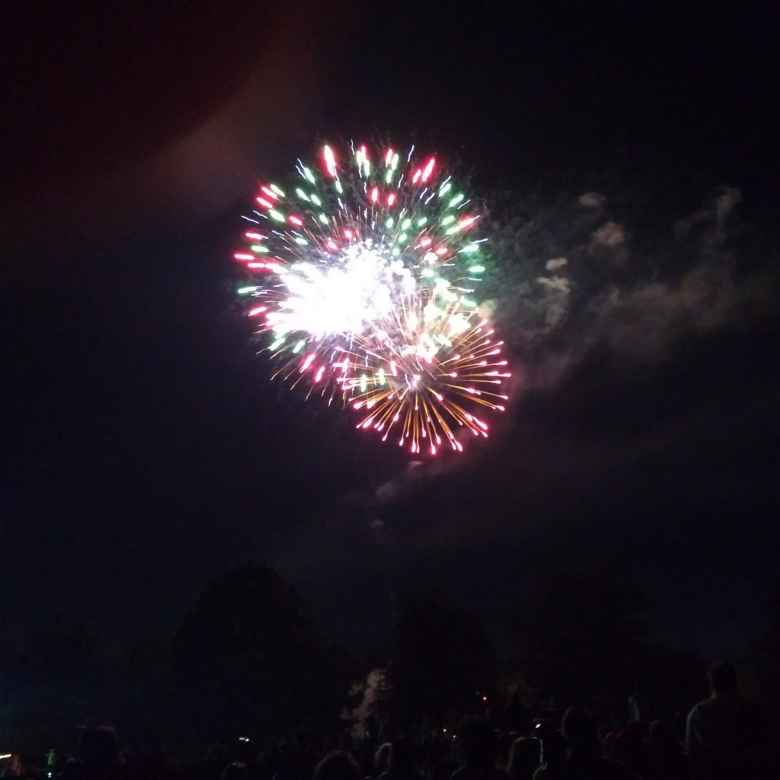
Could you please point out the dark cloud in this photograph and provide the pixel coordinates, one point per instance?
(602, 293)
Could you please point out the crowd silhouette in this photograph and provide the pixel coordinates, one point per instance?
(724, 736)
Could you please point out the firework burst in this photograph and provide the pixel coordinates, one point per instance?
(433, 376)
(363, 280)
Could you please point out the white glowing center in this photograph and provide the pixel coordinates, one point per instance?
(349, 298)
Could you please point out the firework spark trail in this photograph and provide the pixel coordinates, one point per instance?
(366, 271)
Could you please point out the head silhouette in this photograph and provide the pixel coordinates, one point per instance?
(337, 765)
(99, 748)
(236, 770)
(578, 729)
(478, 743)
(723, 678)
(382, 757)
(523, 758)
(402, 762)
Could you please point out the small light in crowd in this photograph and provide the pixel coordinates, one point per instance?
(3, 756)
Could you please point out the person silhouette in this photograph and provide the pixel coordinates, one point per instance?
(723, 732)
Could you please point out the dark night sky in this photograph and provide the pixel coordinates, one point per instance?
(144, 450)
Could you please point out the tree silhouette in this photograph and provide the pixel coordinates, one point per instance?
(584, 637)
(247, 656)
(443, 657)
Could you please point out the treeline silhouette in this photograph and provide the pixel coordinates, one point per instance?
(250, 686)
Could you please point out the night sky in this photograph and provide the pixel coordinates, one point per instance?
(144, 449)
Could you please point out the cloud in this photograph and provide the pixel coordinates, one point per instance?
(555, 302)
(725, 203)
(592, 200)
(393, 488)
(559, 284)
(639, 310)
(649, 319)
(611, 235)
(415, 477)
(710, 222)
(556, 263)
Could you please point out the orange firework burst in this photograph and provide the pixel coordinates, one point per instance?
(428, 379)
